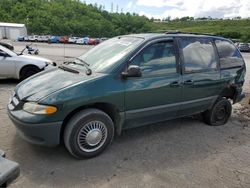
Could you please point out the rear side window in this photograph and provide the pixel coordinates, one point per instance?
(229, 55)
(199, 54)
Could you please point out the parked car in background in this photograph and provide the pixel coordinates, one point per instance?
(73, 39)
(126, 82)
(104, 38)
(64, 39)
(21, 67)
(244, 47)
(43, 38)
(21, 38)
(54, 39)
(83, 41)
(33, 38)
(98, 40)
(7, 45)
(26, 38)
(80, 41)
(92, 41)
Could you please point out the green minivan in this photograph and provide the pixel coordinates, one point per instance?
(125, 82)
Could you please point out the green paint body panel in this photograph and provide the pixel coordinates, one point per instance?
(141, 100)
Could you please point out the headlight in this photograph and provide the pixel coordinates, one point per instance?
(35, 108)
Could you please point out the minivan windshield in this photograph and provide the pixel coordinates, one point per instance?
(102, 57)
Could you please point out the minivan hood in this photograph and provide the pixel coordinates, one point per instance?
(47, 82)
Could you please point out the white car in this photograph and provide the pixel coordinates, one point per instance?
(43, 38)
(21, 67)
(84, 40)
(33, 38)
(73, 39)
(80, 41)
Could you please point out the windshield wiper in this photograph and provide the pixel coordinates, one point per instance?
(68, 69)
(85, 64)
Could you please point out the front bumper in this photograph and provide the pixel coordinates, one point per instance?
(45, 134)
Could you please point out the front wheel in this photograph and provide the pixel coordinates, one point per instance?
(88, 133)
(28, 71)
(219, 113)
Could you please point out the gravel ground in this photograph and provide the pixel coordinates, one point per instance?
(179, 153)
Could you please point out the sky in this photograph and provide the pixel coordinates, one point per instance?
(180, 8)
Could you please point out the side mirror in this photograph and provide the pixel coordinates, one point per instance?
(132, 71)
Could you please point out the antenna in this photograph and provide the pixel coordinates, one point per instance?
(64, 51)
(111, 7)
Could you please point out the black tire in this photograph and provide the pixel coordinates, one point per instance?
(219, 113)
(28, 71)
(74, 132)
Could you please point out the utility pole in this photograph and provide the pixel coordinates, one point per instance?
(111, 7)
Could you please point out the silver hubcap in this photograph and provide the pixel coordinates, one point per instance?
(92, 136)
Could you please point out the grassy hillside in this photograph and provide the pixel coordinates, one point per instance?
(229, 28)
(70, 17)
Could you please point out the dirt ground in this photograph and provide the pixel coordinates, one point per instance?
(179, 153)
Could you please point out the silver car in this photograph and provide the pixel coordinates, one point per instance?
(244, 47)
(21, 67)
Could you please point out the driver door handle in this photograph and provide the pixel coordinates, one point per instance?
(175, 84)
(189, 82)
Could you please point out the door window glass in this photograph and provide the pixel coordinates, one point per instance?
(199, 54)
(156, 59)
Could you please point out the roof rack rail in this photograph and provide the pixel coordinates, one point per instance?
(173, 32)
(193, 33)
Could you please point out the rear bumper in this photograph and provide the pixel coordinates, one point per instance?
(45, 134)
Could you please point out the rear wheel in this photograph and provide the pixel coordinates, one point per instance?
(28, 71)
(219, 113)
(88, 133)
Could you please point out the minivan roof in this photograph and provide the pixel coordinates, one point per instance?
(148, 36)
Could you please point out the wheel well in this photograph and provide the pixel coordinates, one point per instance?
(24, 67)
(229, 92)
(109, 109)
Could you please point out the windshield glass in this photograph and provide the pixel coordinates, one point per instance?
(6, 50)
(106, 54)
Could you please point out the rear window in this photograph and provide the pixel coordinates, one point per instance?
(199, 54)
(229, 55)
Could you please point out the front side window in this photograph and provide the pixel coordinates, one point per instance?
(198, 54)
(229, 55)
(157, 59)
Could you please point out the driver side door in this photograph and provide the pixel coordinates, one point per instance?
(7, 65)
(155, 95)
